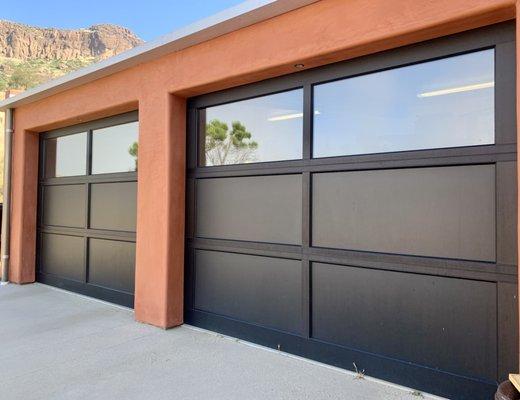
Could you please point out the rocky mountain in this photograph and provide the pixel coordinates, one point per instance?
(31, 55)
(25, 42)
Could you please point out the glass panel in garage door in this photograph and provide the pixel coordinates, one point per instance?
(436, 104)
(66, 155)
(114, 149)
(267, 128)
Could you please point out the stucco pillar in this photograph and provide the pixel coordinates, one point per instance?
(23, 204)
(160, 210)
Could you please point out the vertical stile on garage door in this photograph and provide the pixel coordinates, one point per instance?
(342, 281)
(506, 194)
(306, 209)
(87, 200)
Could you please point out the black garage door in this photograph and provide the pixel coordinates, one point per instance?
(365, 213)
(87, 208)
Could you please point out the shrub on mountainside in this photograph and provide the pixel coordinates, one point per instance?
(17, 74)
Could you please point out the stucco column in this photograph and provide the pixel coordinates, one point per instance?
(23, 204)
(160, 210)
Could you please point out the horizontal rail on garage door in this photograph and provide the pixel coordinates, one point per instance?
(85, 179)
(395, 262)
(95, 233)
(420, 158)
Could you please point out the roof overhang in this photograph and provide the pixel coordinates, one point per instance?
(245, 14)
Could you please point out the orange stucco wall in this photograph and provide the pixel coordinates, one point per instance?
(324, 32)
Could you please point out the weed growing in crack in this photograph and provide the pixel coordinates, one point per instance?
(359, 374)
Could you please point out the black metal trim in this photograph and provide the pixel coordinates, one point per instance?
(426, 379)
(120, 119)
(97, 178)
(407, 159)
(87, 289)
(455, 268)
(124, 236)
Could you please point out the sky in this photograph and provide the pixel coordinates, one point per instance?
(148, 20)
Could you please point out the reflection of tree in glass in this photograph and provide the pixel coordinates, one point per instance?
(133, 150)
(223, 147)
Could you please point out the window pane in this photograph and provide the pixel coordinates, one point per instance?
(114, 149)
(66, 155)
(436, 104)
(268, 128)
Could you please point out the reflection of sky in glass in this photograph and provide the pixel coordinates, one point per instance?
(71, 153)
(275, 123)
(408, 108)
(110, 148)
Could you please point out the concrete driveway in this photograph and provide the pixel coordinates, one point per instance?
(58, 345)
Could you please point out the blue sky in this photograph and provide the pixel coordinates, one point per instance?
(148, 19)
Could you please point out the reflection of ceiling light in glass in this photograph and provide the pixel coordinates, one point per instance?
(458, 89)
(289, 116)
